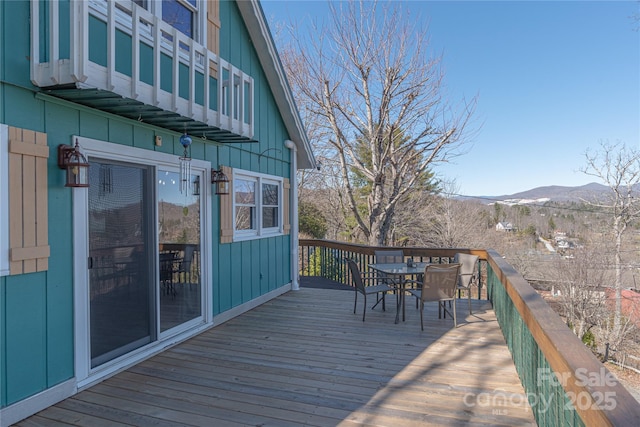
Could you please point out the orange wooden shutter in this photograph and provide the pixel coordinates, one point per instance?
(213, 26)
(226, 209)
(286, 222)
(28, 219)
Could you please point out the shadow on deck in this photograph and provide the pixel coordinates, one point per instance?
(304, 358)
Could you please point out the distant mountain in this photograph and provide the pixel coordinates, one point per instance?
(554, 193)
(558, 193)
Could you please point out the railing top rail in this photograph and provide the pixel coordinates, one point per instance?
(581, 373)
(408, 250)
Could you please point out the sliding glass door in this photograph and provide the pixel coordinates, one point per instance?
(121, 251)
(144, 256)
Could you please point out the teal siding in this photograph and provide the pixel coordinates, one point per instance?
(97, 41)
(247, 272)
(59, 283)
(26, 110)
(121, 132)
(183, 81)
(146, 63)
(44, 28)
(199, 83)
(223, 279)
(166, 83)
(213, 93)
(26, 339)
(36, 310)
(144, 138)
(93, 126)
(15, 35)
(235, 276)
(64, 29)
(62, 121)
(124, 53)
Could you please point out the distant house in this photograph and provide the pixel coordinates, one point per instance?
(187, 214)
(504, 226)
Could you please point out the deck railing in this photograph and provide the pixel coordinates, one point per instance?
(564, 382)
(326, 259)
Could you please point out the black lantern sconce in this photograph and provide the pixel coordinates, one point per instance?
(221, 182)
(71, 159)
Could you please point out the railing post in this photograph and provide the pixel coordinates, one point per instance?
(135, 52)
(79, 36)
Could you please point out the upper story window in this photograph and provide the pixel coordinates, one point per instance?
(181, 14)
(258, 205)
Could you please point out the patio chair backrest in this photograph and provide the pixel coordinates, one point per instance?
(355, 275)
(389, 256)
(440, 282)
(468, 268)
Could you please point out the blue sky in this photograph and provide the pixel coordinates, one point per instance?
(553, 79)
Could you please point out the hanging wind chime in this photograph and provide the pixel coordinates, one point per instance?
(185, 164)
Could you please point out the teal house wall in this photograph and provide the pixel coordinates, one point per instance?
(37, 309)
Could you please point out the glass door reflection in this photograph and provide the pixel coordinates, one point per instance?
(121, 292)
(179, 271)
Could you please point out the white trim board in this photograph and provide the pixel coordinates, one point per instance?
(29, 406)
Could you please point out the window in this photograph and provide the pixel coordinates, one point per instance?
(245, 197)
(270, 202)
(180, 14)
(183, 15)
(257, 207)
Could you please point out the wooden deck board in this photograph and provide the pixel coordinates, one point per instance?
(306, 359)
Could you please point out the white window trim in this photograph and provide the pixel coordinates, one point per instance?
(85, 375)
(200, 10)
(259, 232)
(4, 200)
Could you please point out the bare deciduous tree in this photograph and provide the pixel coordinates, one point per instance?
(374, 101)
(579, 289)
(618, 167)
(446, 222)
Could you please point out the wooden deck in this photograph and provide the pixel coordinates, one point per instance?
(306, 359)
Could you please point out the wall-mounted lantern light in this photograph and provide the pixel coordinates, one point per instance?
(221, 181)
(196, 186)
(71, 159)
